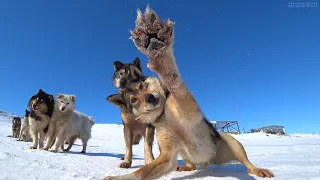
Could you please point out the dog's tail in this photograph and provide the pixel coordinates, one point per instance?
(91, 119)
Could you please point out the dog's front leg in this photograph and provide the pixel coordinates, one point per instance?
(162, 165)
(155, 39)
(34, 136)
(50, 135)
(148, 141)
(41, 139)
(60, 138)
(128, 138)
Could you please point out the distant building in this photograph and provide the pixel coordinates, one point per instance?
(270, 130)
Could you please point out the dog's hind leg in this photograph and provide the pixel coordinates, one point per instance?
(71, 141)
(84, 145)
(229, 149)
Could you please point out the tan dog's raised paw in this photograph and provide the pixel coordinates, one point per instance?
(151, 36)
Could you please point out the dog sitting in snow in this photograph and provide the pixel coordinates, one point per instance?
(24, 134)
(69, 123)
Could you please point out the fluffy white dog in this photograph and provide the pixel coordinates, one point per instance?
(70, 124)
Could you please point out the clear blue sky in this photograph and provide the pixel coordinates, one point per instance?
(257, 62)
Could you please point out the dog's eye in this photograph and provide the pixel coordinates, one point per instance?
(61, 101)
(41, 100)
(133, 100)
(67, 103)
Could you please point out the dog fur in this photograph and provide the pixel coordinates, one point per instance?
(181, 126)
(70, 123)
(124, 75)
(91, 119)
(16, 125)
(24, 134)
(41, 109)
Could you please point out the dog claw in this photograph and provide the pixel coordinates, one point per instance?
(261, 172)
(32, 147)
(125, 165)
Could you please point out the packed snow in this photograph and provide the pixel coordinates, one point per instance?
(296, 156)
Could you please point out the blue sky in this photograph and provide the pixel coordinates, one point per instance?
(256, 61)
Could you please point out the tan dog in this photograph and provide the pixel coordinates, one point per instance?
(123, 76)
(181, 126)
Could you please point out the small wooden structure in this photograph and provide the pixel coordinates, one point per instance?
(231, 127)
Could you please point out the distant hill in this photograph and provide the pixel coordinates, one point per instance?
(5, 116)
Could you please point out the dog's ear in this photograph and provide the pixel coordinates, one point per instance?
(117, 65)
(116, 99)
(136, 62)
(40, 91)
(73, 98)
(136, 73)
(50, 97)
(58, 96)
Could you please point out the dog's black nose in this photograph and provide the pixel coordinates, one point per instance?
(33, 105)
(151, 99)
(63, 108)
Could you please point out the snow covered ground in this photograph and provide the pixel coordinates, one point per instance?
(296, 156)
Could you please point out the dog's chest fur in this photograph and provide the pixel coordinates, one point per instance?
(38, 120)
(128, 120)
(195, 140)
(61, 118)
(198, 146)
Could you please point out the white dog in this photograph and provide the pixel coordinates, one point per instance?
(70, 124)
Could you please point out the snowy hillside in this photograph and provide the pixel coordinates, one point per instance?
(5, 116)
(288, 157)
